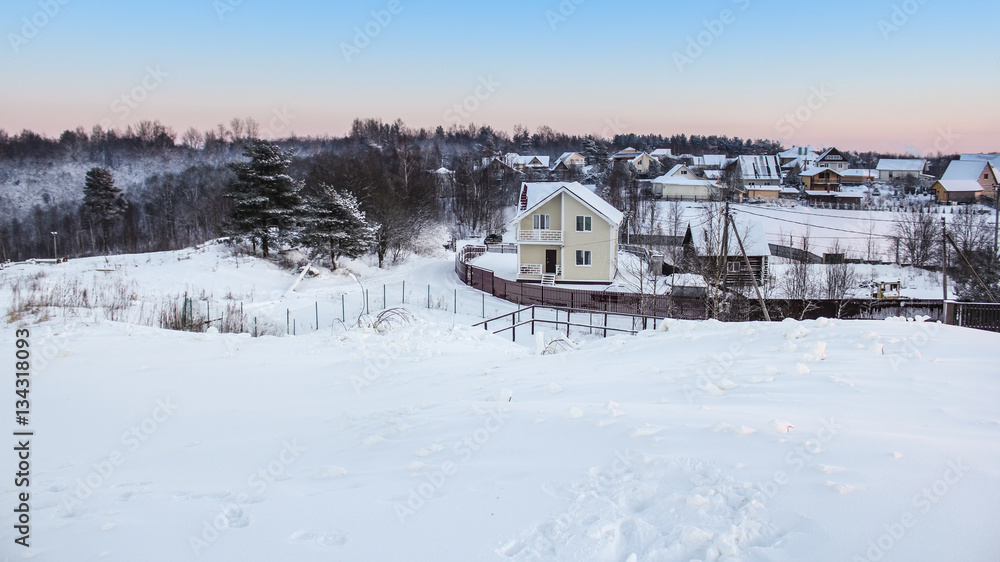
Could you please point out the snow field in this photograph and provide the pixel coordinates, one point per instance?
(816, 440)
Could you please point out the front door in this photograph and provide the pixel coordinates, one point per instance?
(550, 261)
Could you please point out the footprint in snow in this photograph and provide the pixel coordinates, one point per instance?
(335, 538)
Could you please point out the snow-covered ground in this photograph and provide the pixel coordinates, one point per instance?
(860, 234)
(434, 440)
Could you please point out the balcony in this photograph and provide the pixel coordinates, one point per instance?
(542, 236)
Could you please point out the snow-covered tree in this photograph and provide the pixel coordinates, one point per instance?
(265, 197)
(103, 202)
(331, 223)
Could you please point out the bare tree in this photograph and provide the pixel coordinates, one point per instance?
(193, 139)
(915, 233)
(799, 282)
(841, 278)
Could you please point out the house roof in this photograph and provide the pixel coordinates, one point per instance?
(671, 179)
(952, 186)
(965, 170)
(992, 158)
(800, 151)
(759, 167)
(831, 151)
(628, 153)
(711, 160)
(815, 171)
(901, 165)
(514, 159)
(751, 232)
(442, 171)
(539, 193)
(661, 152)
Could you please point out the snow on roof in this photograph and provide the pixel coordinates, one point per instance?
(661, 152)
(540, 192)
(901, 165)
(965, 170)
(628, 153)
(514, 159)
(992, 158)
(713, 174)
(952, 186)
(751, 232)
(814, 171)
(671, 179)
(713, 160)
(759, 167)
(442, 170)
(799, 151)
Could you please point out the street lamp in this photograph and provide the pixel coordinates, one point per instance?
(55, 251)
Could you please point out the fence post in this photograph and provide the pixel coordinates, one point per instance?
(428, 296)
(385, 303)
(484, 305)
(317, 315)
(368, 309)
(288, 316)
(533, 320)
(456, 301)
(404, 292)
(343, 309)
(255, 326)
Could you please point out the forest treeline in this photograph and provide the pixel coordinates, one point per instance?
(388, 168)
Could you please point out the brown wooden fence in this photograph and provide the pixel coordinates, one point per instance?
(689, 308)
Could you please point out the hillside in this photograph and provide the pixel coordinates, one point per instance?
(434, 440)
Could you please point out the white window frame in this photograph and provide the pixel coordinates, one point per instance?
(584, 258)
(588, 223)
(734, 266)
(541, 222)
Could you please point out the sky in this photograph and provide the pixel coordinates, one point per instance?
(916, 76)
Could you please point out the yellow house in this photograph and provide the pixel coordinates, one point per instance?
(566, 233)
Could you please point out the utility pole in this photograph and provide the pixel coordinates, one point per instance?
(944, 257)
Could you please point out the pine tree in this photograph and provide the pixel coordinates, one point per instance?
(103, 202)
(331, 223)
(265, 197)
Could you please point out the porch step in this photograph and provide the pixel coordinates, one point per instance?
(548, 279)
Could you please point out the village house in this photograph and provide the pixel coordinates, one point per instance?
(804, 157)
(566, 234)
(527, 163)
(951, 192)
(890, 168)
(639, 159)
(662, 154)
(760, 175)
(703, 250)
(981, 171)
(684, 183)
(833, 159)
(569, 161)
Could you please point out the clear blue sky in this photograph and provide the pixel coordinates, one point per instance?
(927, 80)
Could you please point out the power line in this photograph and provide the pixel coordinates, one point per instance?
(828, 216)
(800, 223)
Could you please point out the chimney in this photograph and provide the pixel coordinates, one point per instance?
(524, 197)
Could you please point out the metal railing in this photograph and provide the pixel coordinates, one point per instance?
(568, 323)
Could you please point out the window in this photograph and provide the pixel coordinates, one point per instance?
(733, 266)
(584, 224)
(583, 257)
(540, 222)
